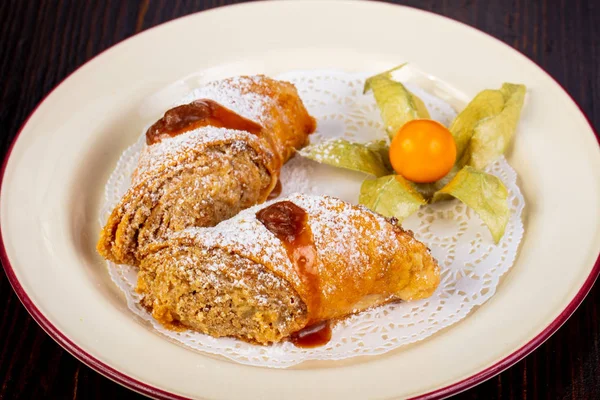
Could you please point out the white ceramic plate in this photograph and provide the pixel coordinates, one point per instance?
(57, 167)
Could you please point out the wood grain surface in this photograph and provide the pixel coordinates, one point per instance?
(42, 42)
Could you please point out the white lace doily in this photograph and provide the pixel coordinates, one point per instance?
(471, 264)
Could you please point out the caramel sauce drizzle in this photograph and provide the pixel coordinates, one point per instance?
(290, 224)
(197, 114)
(315, 335)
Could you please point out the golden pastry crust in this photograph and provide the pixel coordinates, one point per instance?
(208, 174)
(210, 182)
(362, 260)
(221, 301)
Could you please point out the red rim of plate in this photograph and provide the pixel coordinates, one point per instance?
(155, 392)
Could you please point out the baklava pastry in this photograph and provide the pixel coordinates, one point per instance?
(207, 160)
(279, 269)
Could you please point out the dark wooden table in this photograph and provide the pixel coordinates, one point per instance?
(42, 42)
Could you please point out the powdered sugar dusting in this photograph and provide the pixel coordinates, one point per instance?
(336, 228)
(171, 151)
(239, 94)
(234, 93)
(244, 235)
